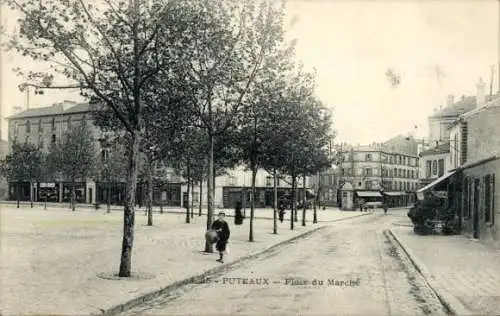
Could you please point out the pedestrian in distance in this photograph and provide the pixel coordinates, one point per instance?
(221, 227)
(385, 208)
(238, 215)
(281, 211)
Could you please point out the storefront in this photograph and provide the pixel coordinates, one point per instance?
(396, 198)
(363, 197)
(48, 192)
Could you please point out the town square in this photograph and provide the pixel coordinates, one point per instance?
(231, 157)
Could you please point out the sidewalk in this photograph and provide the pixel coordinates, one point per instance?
(50, 260)
(464, 272)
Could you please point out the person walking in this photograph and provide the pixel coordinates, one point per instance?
(281, 210)
(238, 215)
(221, 227)
(385, 208)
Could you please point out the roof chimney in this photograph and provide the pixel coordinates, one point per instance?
(449, 100)
(480, 97)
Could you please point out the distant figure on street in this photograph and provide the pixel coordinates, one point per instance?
(384, 206)
(281, 211)
(222, 229)
(238, 215)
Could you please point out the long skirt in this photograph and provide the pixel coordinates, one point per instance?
(221, 245)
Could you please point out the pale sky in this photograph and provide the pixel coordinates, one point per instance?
(352, 44)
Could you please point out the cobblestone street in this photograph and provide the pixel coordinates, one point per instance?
(362, 273)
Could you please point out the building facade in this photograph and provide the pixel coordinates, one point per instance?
(480, 207)
(434, 163)
(376, 173)
(236, 187)
(43, 126)
(328, 184)
(4, 186)
(470, 186)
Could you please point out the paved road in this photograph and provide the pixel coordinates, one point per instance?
(362, 274)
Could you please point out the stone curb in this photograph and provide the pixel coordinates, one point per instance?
(200, 277)
(446, 298)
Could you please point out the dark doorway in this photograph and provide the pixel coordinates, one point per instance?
(476, 209)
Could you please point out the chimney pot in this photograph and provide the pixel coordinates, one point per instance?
(481, 96)
(449, 100)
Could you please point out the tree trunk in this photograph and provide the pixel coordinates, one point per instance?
(149, 201)
(275, 204)
(129, 208)
(252, 204)
(188, 191)
(293, 202)
(18, 192)
(201, 197)
(108, 206)
(192, 198)
(304, 201)
(210, 197)
(31, 194)
(73, 195)
(316, 201)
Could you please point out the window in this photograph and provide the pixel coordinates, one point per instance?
(368, 172)
(428, 168)
(344, 194)
(40, 125)
(269, 181)
(69, 122)
(408, 186)
(53, 138)
(399, 159)
(53, 124)
(28, 126)
(489, 198)
(390, 159)
(404, 160)
(368, 157)
(368, 185)
(434, 167)
(440, 167)
(84, 120)
(395, 172)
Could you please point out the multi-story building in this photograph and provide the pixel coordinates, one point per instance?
(378, 173)
(42, 126)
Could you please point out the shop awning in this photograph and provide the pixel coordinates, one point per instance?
(436, 182)
(395, 193)
(368, 194)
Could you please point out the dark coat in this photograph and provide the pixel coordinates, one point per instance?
(238, 217)
(222, 229)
